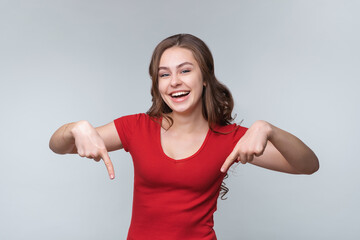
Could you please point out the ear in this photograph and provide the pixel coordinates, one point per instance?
(204, 84)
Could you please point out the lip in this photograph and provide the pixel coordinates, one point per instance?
(179, 99)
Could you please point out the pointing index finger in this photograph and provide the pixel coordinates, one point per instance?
(108, 164)
(229, 160)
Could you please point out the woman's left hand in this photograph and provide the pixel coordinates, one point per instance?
(252, 144)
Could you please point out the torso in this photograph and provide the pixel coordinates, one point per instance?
(175, 199)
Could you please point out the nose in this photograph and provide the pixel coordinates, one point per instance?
(175, 81)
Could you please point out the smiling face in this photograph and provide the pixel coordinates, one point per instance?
(180, 81)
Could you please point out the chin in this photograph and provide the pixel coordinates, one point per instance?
(182, 110)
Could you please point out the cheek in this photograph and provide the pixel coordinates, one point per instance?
(162, 89)
(199, 84)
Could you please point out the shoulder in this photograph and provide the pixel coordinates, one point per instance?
(229, 129)
(135, 120)
(133, 127)
(229, 133)
(132, 117)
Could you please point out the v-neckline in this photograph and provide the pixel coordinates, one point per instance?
(182, 159)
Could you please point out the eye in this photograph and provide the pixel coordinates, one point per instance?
(185, 71)
(163, 75)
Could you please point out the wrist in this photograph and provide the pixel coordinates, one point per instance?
(77, 127)
(265, 128)
(68, 133)
(270, 129)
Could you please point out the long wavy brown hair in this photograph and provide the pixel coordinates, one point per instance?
(217, 100)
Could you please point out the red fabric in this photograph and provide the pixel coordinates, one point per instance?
(174, 199)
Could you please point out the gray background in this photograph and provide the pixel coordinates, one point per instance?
(292, 63)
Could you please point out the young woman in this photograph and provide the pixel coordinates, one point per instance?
(183, 146)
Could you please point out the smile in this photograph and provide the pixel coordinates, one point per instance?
(179, 94)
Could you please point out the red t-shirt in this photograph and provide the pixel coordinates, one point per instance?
(174, 199)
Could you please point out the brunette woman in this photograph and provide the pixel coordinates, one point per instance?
(184, 145)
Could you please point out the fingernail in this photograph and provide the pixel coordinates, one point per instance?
(112, 176)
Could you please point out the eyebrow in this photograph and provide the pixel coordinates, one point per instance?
(178, 66)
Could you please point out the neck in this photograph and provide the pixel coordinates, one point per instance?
(188, 122)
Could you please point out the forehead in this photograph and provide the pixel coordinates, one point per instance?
(176, 55)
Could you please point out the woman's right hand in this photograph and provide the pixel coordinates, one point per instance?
(89, 144)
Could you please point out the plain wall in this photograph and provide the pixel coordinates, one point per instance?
(292, 63)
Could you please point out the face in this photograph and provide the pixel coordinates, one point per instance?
(180, 81)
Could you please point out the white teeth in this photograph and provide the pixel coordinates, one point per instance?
(178, 94)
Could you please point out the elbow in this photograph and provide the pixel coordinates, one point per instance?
(54, 147)
(308, 167)
(316, 165)
(51, 145)
(316, 168)
(313, 167)
(312, 171)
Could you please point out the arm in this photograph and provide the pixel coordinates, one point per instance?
(270, 147)
(80, 137)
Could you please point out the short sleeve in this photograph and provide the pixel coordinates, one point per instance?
(238, 133)
(125, 127)
(231, 133)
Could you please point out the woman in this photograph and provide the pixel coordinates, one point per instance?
(183, 146)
